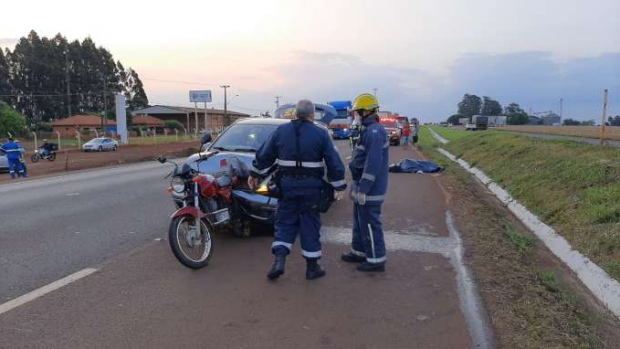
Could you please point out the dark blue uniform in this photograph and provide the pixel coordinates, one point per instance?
(13, 154)
(369, 169)
(301, 182)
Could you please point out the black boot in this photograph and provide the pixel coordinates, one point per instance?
(277, 268)
(370, 267)
(352, 258)
(313, 269)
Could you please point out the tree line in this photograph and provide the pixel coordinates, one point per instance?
(46, 79)
(472, 105)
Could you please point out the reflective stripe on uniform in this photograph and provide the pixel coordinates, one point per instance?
(338, 183)
(376, 260)
(386, 145)
(254, 169)
(358, 253)
(360, 147)
(372, 242)
(369, 177)
(375, 197)
(281, 243)
(307, 164)
(307, 254)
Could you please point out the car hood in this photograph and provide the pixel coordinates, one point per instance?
(221, 161)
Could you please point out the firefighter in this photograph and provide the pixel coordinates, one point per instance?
(13, 154)
(369, 170)
(303, 152)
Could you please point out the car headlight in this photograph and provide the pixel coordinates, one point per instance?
(178, 185)
(346, 129)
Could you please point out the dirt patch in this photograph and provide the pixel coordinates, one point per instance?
(532, 299)
(74, 160)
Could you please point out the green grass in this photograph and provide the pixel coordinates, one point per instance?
(573, 186)
(549, 279)
(521, 241)
(451, 133)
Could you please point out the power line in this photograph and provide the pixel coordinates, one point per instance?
(54, 95)
(179, 82)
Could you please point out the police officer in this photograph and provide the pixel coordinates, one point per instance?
(369, 169)
(13, 154)
(302, 151)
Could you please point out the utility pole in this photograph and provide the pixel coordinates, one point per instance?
(561, 106)
(605, 98)
(105, 106)
(375, 91)
(225, 103)
(277, 101)
(68, 81)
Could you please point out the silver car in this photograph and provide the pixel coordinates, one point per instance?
(100, 144)
(4, 163)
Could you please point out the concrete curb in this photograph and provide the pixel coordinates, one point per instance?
(606, 289)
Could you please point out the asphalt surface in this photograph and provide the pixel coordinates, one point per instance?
(114, 221)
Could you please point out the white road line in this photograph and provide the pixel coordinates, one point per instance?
(28, 297)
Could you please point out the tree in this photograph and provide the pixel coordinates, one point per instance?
(515, 115)
(490, 107)
(455, 119)
(571, 122)
(469, 106)
(5, 86)
(174, 125)
(41, 70)
(11, 121)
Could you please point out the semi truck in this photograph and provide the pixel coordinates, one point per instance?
(340, 124)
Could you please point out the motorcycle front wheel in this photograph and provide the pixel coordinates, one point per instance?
(34, 157)
(191, 249)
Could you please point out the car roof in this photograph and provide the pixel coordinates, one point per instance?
(262, 121)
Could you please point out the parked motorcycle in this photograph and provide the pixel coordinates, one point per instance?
(205, 205)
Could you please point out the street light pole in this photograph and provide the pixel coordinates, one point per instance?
(225, 87)
(561, 107)
(375, 91)
(277, 101)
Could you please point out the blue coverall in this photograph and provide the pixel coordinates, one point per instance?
(13, 153)
(369, 169)
(301, 182)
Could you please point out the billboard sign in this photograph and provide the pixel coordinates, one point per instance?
(202, 96)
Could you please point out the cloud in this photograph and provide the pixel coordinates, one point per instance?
(533, 79)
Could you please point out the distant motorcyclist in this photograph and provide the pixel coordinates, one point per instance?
(46, 148)
(13, 154)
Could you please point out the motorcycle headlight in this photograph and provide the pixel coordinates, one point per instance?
(178, 185)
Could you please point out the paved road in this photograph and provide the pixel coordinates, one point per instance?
(140, 297)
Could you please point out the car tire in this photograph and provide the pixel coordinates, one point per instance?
(100, 148)
(115, 147)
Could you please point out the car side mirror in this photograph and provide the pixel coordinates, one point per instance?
(161, 159)
(206, 138)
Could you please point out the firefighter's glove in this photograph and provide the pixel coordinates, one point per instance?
(360, 198)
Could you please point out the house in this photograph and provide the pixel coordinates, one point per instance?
(189, 118)
(82, 124)
(534, 120)
(149, 122)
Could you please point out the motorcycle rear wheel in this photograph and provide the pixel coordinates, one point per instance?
(52, 157)
(192, 252)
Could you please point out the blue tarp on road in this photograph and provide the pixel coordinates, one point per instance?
(415, 166)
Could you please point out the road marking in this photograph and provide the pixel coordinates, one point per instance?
(28, 297)
(73, 194)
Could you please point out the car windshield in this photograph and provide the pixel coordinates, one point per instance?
(96, 140)
(248, 137)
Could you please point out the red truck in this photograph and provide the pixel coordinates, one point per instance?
(393, 126)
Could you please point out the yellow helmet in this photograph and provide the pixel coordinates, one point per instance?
(366, 101)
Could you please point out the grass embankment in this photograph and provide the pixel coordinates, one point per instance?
(530, 298)
(574, 187)
(611, 132)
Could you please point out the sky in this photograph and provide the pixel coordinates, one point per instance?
(421, 56)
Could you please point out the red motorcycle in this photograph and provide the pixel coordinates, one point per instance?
(204, 205)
